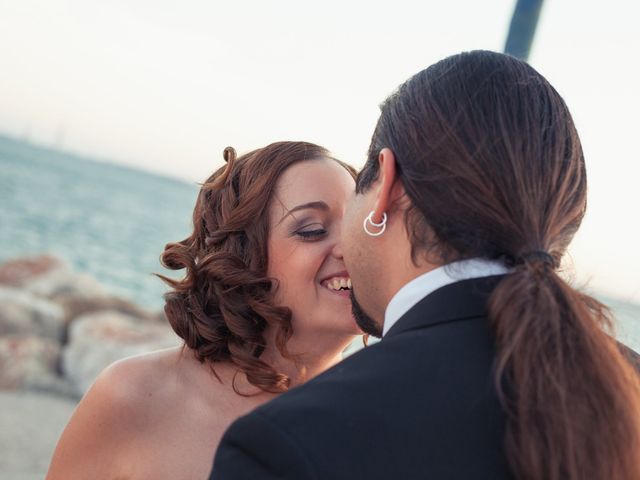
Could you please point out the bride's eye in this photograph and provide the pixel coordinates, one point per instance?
(310, 233)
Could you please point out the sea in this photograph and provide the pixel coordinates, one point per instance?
(106, 220)
(113, 222)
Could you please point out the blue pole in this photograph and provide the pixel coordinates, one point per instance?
(523, 28)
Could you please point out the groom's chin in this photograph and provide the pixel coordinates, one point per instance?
(364, 321)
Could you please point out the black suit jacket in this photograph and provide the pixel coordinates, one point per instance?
(419, 404)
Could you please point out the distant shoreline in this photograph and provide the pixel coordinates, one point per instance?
(89, 157)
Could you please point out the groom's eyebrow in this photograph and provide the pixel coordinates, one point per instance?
(306, 206)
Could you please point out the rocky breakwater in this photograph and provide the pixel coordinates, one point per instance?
(59, 328)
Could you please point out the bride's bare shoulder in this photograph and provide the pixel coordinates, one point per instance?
(121, 401)
(141, 377)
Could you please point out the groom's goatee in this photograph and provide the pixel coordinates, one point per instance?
(364, 321)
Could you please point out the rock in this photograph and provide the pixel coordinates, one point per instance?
(28, 361)
(74, 307)
(15, 272)
(49, 277)
(44, 303)
(21, 312)
(98, 339)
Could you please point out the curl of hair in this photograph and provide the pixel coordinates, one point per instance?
(224, 302)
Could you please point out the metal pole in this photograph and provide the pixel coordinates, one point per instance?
(523, 28)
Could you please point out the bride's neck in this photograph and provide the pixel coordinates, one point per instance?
(308, 356)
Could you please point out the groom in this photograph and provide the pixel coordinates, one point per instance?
(453, 178)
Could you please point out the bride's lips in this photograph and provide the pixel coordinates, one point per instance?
(338, 283)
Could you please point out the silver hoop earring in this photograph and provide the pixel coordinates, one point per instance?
(382, 225)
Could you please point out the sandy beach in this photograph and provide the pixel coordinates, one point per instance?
(31, 423)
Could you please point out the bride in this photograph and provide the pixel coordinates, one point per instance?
(263, 306)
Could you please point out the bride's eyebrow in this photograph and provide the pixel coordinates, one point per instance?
(306, 206)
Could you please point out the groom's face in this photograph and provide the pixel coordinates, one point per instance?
(361, 259)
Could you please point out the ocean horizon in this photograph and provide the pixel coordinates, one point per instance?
(113, 221)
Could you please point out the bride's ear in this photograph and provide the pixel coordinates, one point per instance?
(390, 190)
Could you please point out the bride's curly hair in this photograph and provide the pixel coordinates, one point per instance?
(224, 302)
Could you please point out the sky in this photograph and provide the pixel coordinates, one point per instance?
(165, 85)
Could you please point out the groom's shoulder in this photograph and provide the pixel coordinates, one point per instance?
(401, 384)
(407, 363)
(336, 388)
(350, 386)
(299, 428)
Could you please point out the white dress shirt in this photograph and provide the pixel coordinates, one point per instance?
(418, 288)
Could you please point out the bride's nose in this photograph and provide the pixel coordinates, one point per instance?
(336, 250)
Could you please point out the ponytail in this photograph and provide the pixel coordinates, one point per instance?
(572, 398)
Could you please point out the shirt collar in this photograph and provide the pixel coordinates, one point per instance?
(421, 286)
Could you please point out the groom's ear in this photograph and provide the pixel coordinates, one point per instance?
(390, 189)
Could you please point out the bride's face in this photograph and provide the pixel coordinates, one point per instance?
(304, 257)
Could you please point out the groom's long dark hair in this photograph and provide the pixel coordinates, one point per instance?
(490, 158)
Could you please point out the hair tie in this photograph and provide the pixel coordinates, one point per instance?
(536, 256)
